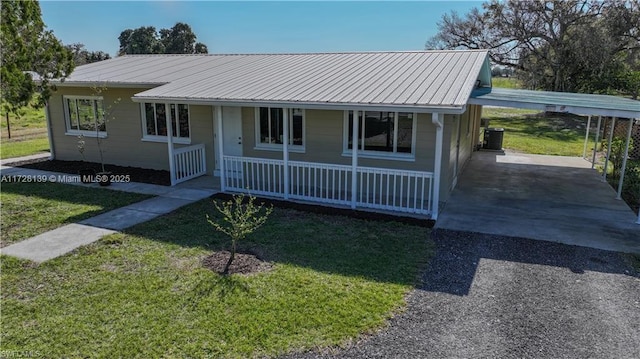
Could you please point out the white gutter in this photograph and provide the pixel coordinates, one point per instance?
(457, 110)
(438, 120)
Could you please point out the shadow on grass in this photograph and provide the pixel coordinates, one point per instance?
(382, 251)
(457, 256)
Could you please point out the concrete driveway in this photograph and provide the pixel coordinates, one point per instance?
(484, 296)
(550, 198)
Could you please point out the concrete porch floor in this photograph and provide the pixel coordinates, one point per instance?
(551, 198)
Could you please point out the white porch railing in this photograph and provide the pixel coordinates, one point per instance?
(377, 188)
(189, 162)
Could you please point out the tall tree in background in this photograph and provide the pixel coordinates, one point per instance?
(83, 56)
(179, 39)
(28, 49)
(572, 45)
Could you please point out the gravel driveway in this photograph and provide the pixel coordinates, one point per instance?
(488, 297)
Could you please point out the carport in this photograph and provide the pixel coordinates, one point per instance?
(554, 198)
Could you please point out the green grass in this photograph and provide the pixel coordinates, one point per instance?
(526, 131)
(17, 148)
(505, 82)
(29, 209)
(144, 293)
(28, 133)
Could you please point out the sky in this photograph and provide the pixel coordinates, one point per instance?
(257, 27)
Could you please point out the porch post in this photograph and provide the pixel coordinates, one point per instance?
(595, 143)
(220, 149)
(624, 160)
(438, 120)
(606, 161)
(285, 150)
(586, 138)
(354, 160)
(172, 165)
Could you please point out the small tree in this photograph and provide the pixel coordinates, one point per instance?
(104, 115)
(239, 220)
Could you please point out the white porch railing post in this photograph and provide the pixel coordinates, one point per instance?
(438, 120)
(285, 151)
(595, 143)
(354, 160)
(169, 122)
(624, 160)
(586, 138)
(606, 161)
(220, 149)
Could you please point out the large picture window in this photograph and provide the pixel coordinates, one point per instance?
(155, 121)
(382, 133)
(270, 128)
(85, 115)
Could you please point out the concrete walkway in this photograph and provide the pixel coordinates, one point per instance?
(38, 156)
(551, 198)
(65, 239)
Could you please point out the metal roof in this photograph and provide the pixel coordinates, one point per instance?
(577, 103)
(419, 80)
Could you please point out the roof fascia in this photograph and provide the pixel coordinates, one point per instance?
(577, 110)
(144, 85)
(456, 110)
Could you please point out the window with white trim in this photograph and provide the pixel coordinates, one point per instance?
(270, 128)
(154, 121)
(382, 133)
(85, 115)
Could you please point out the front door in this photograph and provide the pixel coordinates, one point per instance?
(231, 133)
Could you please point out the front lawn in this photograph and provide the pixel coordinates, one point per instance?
(29, 209)
(145, 293)
(23, 147)
(527, 131)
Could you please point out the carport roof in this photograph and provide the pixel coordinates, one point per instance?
(576, 103)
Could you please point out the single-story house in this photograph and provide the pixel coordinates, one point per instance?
(378, 130)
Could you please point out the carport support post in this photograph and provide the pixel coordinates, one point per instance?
(606, 161)
(438, 120)
(586, 138)
(354, 159)
(220, 149)
(285, 150)
(172, 165)
(624, 160)
(595, 143)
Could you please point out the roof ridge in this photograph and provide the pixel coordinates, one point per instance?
(307, 53)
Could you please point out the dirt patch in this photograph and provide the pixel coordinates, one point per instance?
(136, 174)
(243, 263)
(333, 211)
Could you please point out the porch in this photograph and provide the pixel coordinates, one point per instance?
(552, 198)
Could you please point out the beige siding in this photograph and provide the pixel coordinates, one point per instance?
(324, 142)
(124, 145)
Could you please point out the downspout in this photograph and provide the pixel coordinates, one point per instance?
(438, 120)
(47, 115)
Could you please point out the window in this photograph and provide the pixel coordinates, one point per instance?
(155, 122)
(383, 134)
(270, 128)
(85, 115)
